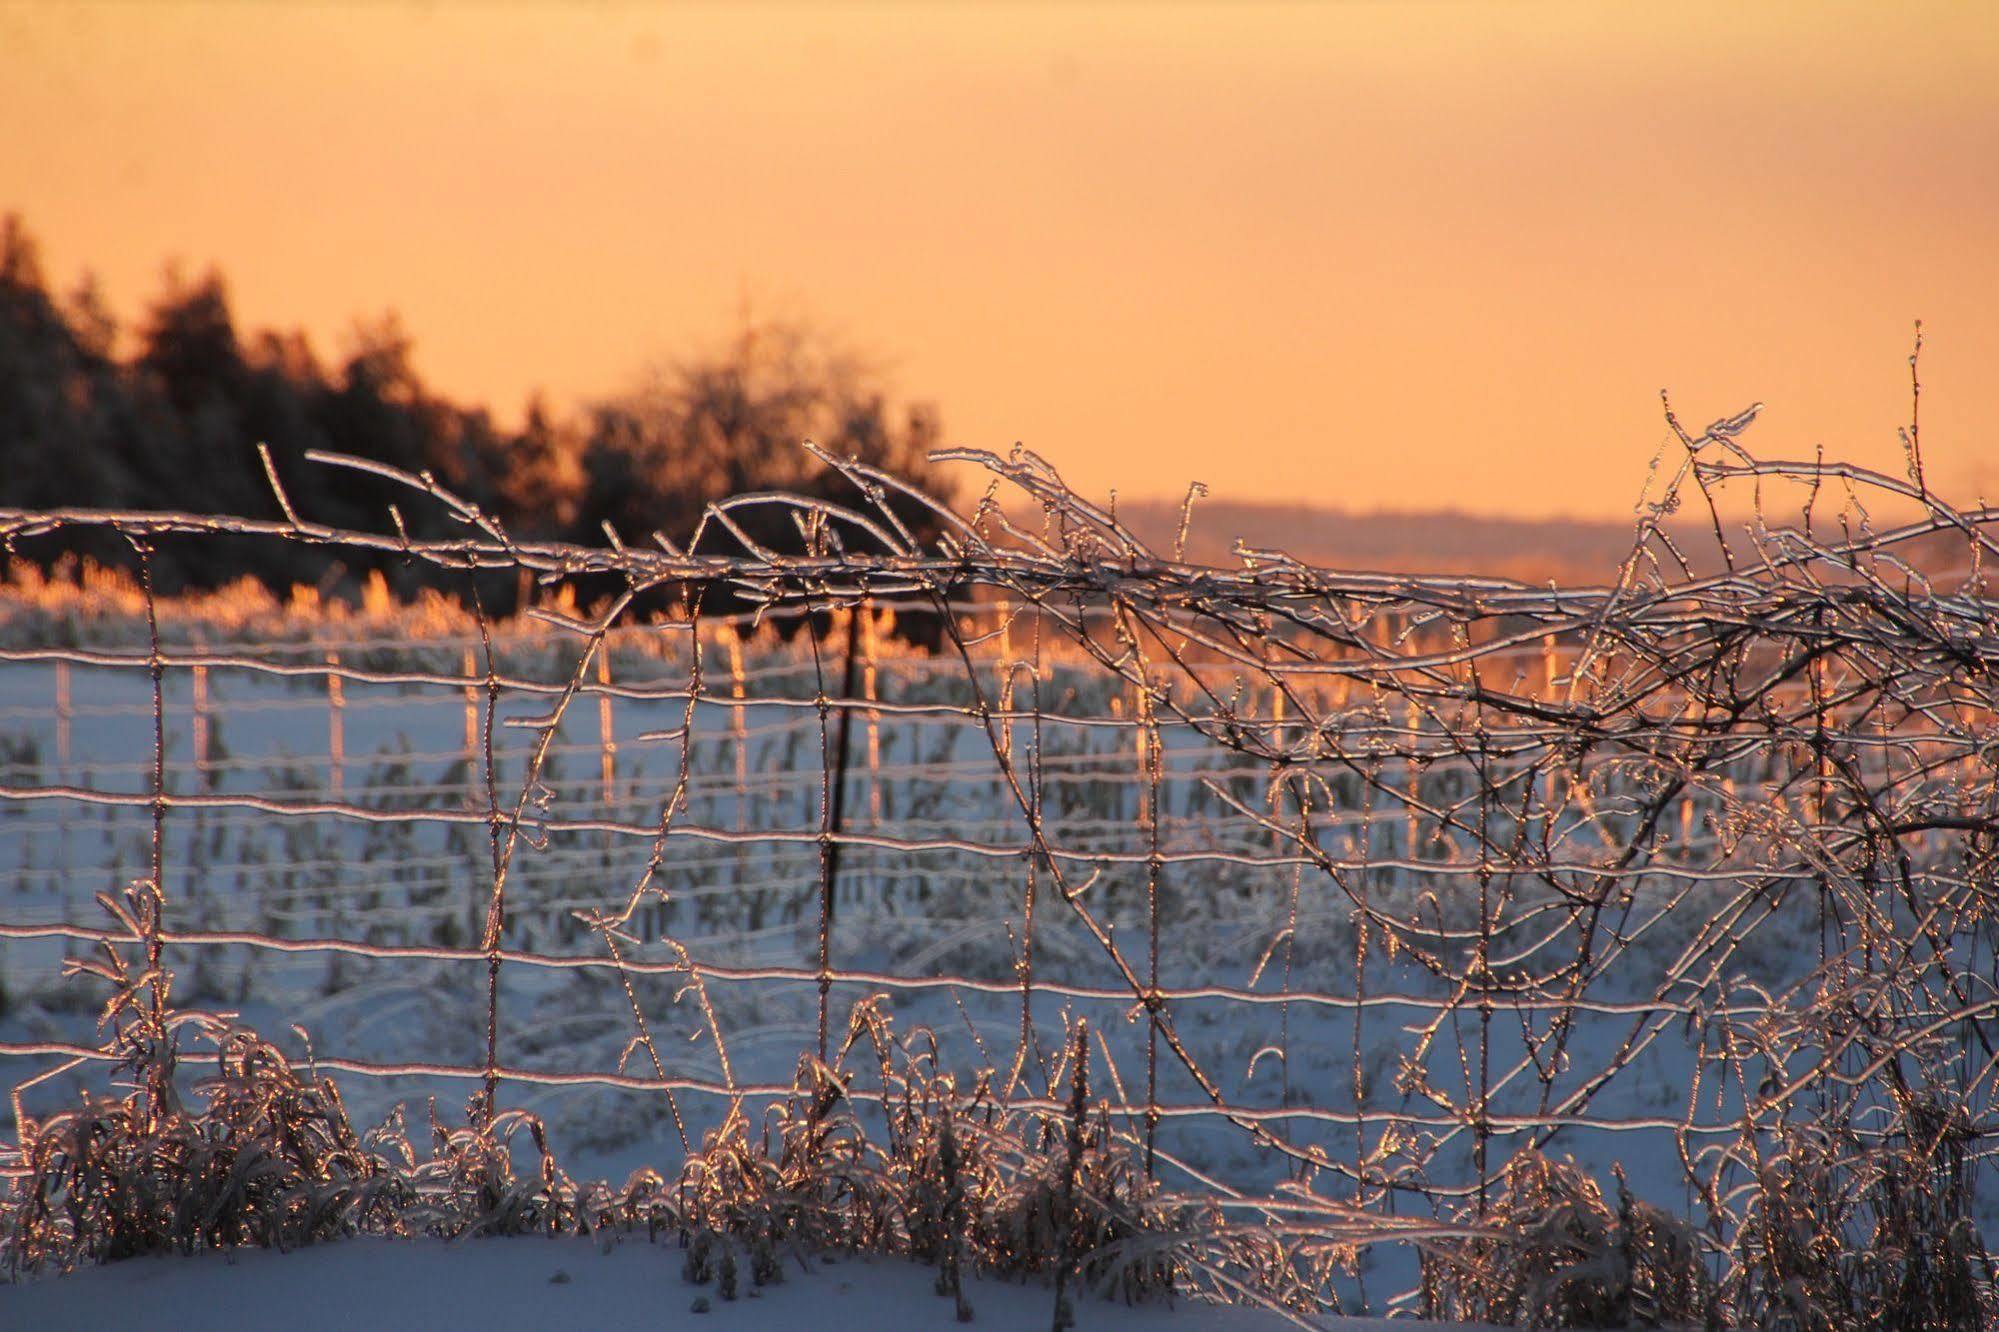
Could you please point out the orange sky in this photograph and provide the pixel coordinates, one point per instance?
(1407, 255)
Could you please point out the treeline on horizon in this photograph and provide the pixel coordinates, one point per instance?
(174, 422)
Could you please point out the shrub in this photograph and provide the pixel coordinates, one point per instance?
(264, 1158)
(1556, 1255)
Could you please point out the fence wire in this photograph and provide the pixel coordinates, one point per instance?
(1368, 884)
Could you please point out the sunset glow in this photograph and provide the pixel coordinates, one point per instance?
(1362, 255)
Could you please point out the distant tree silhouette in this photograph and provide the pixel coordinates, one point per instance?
(175, 426)
(730, 422)
(68, 430)
(538, 472)
(190, 350)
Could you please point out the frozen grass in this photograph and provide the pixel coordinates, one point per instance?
(258, 1155)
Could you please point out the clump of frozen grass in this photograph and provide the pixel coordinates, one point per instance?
(268, 1161)
(1862, 1213)
(1841, 1233)
(1558, 1255)
(257, 1154)
(262, 1153)
(921, 1170)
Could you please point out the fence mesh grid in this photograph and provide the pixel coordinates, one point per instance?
(1365, 884)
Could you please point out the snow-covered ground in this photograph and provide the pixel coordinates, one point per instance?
(533, 1285)
(949, 910)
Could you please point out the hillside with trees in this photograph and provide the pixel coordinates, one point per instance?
(168, 414)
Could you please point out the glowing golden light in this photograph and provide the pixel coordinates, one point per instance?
(1365, 255)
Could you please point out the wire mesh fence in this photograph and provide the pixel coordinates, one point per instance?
(1373, 891)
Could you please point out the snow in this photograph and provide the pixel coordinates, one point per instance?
(399, 883)
(498, 1285)
(402, 883)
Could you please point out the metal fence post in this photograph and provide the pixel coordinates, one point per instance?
(336, 726)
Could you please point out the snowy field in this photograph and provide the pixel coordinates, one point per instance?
(529, 1285)
(310, 810)
(741, 890)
